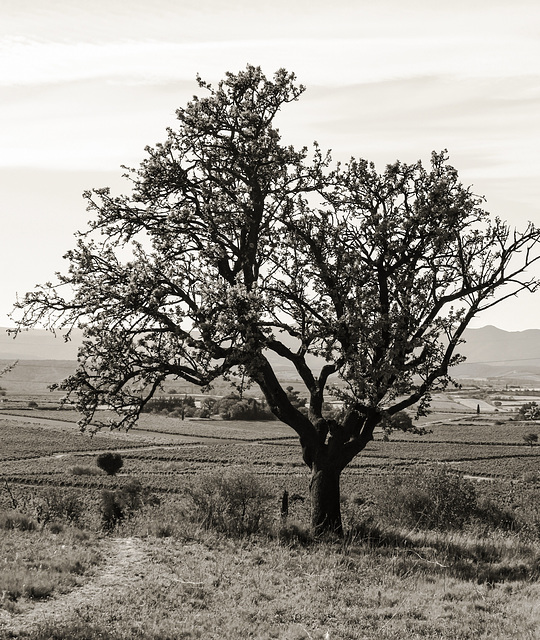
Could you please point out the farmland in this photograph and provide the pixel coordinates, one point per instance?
(466, 581)
(42, 448)
(163, 446)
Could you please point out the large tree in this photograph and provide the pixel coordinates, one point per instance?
(232, 247)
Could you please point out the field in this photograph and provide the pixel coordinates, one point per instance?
(162, 573)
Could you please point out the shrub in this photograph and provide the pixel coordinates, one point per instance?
(110, 462)
(529, 411)
(527, 508)
(235, 408)
(495, 516)
(207, 409)
(164, 404)
(435, 499)
(294, 534)
(112, 509)
(79, 470)
(234, 502)
(59, 504)
(530, 438)
(531, 477)
(294, 397)
(120, 504)
(401, 421)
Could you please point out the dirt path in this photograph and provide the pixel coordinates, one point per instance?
(121, 571)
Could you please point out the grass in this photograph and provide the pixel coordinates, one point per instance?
(37, 563)
(214, 587)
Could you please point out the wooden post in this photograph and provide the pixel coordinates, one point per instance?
(285, 506)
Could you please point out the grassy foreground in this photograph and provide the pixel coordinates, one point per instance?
(161, 577)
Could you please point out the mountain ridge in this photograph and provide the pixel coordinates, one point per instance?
(489, 351)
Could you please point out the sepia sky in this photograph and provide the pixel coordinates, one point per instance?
(84, 87)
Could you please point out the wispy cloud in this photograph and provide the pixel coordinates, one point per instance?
(323, 61)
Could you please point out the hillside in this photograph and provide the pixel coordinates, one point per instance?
(494, 353)
(37, 344)
(491, 353)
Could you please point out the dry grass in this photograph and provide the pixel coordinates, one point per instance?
(36, 564)
(213, 588)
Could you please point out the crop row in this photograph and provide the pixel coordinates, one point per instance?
(19, 440)
(477, 429)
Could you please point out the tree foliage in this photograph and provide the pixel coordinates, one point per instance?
(233, 407)
(232, 246)
(529, 411)
(400, 421)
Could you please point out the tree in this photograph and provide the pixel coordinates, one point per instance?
(110, 462)
(529, 411)
(294, 397)
(400, 421)
(234, 250)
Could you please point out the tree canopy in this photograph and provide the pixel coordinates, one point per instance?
(231, 246)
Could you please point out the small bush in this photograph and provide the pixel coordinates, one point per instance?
(531, 477)
(110, 462)
(293, 534)
(10, 520)
(527, 508)
(496, 517)
(56, 527)
(112, 509)
(401, 421)
(531, 439)
(234, 502)
(79, 470)
(235, 408)
(39, 591)
(59, 504)
(434, 499)
(120, 504)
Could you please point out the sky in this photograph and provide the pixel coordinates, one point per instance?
(85, 87)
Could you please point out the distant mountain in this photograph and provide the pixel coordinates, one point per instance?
(38, 344)
(494, 353)
(490, 352)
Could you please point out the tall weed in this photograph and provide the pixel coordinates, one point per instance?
(59, 504)
(234, 502)
(433, 499)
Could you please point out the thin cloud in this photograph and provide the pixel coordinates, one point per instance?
(326, 61)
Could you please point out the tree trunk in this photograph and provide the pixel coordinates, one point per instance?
(325, 500)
